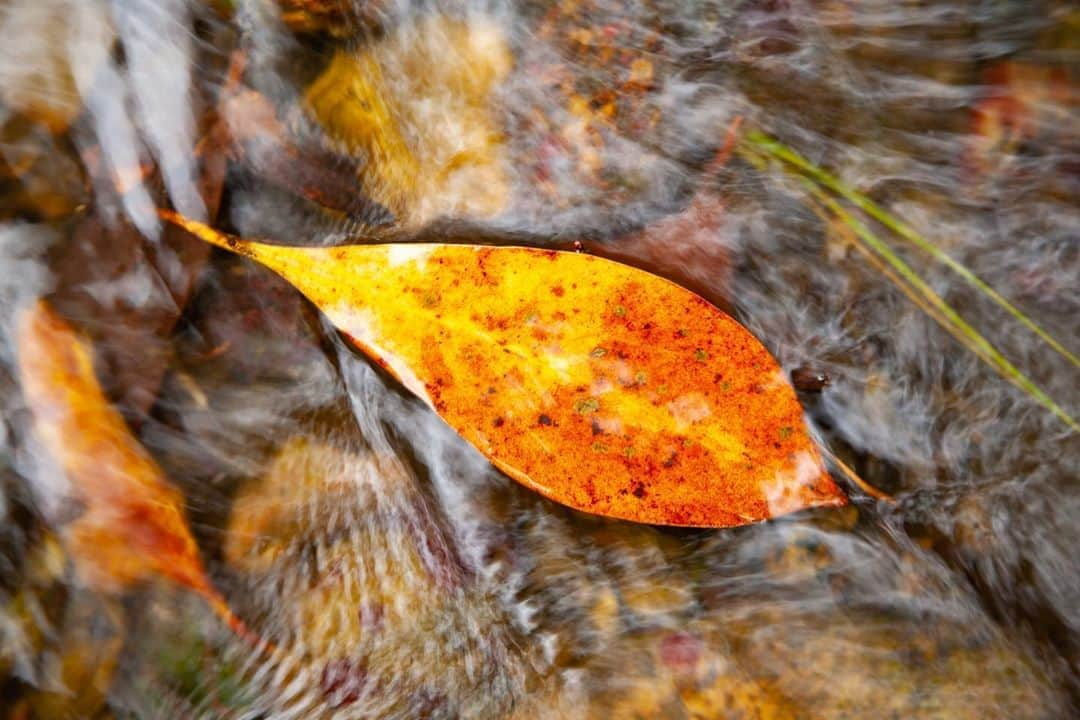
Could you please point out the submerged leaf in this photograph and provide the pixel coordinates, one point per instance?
(429, 137)
(501, 342)
(130, 524)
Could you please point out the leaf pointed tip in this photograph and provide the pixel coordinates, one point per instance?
(206, 233)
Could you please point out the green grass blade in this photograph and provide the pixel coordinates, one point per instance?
(931, 302)
(826, 179)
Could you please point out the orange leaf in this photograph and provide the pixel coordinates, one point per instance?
(599, 385)
(130, 525)
(1019, 101)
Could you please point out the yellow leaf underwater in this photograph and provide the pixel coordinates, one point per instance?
(599, 385)
(130, 525)
(431, 142)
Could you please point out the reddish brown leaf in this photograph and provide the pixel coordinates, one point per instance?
(258, 140)
(101, 270)
(1018, 102)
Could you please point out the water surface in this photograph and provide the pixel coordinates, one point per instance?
(395, 571)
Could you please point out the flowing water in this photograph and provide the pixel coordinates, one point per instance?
(394, 571)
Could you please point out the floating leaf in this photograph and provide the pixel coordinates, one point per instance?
(500, 340)
(129, 525)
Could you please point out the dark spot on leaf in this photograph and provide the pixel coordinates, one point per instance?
(70, 509)
(430, 299)
(586, 406)
(558, 291)
(544, 420)
(498, 422)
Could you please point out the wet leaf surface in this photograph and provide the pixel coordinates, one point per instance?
(601, 386)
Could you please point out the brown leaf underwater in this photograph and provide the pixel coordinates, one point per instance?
(130, 525)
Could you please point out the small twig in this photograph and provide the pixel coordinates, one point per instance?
(857, 481)
(724, 153)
